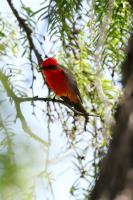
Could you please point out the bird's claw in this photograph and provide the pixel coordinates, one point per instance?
(54, 98)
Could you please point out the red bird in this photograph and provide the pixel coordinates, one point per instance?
(62, 82)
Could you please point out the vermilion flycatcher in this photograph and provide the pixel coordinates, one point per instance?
(62, 82)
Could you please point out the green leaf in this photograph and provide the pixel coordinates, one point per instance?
(2, 34)
(2, 47)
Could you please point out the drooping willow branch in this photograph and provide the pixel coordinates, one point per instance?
(10, 93)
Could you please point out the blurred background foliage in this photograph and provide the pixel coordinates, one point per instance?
(89, 38)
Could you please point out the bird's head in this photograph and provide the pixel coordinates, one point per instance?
(49, 63)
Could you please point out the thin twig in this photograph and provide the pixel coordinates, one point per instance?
(48, 99)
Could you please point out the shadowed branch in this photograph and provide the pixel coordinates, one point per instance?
(48, 99)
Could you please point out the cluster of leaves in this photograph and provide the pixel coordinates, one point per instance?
(117, 36)
(8, 171)
(117, 31)
(7, 38)
(60, 16)
(100, 8)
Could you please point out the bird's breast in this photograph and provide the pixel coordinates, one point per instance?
(57, 81)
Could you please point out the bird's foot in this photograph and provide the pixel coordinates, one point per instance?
(54, 98)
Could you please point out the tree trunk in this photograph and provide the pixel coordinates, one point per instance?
(115, 180)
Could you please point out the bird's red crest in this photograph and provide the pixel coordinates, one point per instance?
(49, 62)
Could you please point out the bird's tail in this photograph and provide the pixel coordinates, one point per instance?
(79, 107)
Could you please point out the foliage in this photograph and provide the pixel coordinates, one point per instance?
(89, 38)
(60, 16)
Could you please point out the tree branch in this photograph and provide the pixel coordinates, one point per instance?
(27, 30)
(47, 99)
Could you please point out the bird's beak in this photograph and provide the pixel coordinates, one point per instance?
(40, 69)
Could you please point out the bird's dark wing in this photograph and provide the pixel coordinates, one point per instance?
(72, 81)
